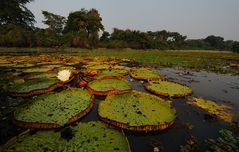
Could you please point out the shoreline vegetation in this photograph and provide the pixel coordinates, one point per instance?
(215, 61)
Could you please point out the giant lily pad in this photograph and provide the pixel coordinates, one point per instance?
(54, 110)
(120, 73)
(144, 74)
(105, 87)
(137, 111)
(98, 67)
(41, 75)
(38, 86)
(91, 136)
(219, 110)
(167, 88)
(40, 68)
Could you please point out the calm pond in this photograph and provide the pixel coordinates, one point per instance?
(191, 121)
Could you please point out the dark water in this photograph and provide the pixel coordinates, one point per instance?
(221, 88)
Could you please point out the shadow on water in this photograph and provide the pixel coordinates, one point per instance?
(190, 120)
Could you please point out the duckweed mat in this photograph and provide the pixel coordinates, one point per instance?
(168, 89)
(137, 111)
(54, 110)
(91, 136)
(105, 87)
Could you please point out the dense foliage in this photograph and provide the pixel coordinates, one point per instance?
(82, 28)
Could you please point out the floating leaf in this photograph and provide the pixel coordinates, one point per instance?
(137, 111)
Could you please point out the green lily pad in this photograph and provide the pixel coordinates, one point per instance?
(98, 67)
(137, 111)
(90, 136)
(41, 75)
(40, 69)
(54, 110)
(144, 74)
(219, 110)
(167, 88)
(111, 74)
(105, 87)
(37, 86)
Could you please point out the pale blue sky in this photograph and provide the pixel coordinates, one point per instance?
(194, 18)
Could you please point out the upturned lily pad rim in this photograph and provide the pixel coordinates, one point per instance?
(166, 94)
(57, 139)
(55, 125)
(141, 128)
(144, 78)
(41, 91)
(120, 76)
(105, 93)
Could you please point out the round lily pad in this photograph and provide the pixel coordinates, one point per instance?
(54, 110)
(113, 73)
(221, 111)
(105, 87)
(40, 68)
(137, 111)
(37, 86)
(168, 89)
(144, 74)
(41, 75)
(90, 136)
(98, 67)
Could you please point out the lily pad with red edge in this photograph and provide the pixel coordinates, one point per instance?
(105, 87)
(168, 88)
(37, 86)
(40, 75)
(54, 110)
(137, 111)
(113, 73)
(90, 136)
(144, 74)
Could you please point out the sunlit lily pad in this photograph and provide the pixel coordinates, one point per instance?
(37, 86)
(120, 73)
(137, 111)
(98, 67)
(219, 110)
(90, 136)
(105, 87)
(168, 89)
(54, 110)
(144, 74)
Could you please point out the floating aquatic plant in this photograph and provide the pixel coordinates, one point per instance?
(226, 142)
(54, 110)
(36, 86)
(219, 110)
(90, 136)
(105, 87)
(137, 111)
(144, 74)
(64, 75)
(168, 89)
(111, 74)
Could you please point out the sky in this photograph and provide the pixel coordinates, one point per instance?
(193, 18)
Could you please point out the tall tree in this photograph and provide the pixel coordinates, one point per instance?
(55, 22)
(15, 12)
(216, 42)
(85, 23)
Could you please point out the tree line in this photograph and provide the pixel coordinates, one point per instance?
(82, 28)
